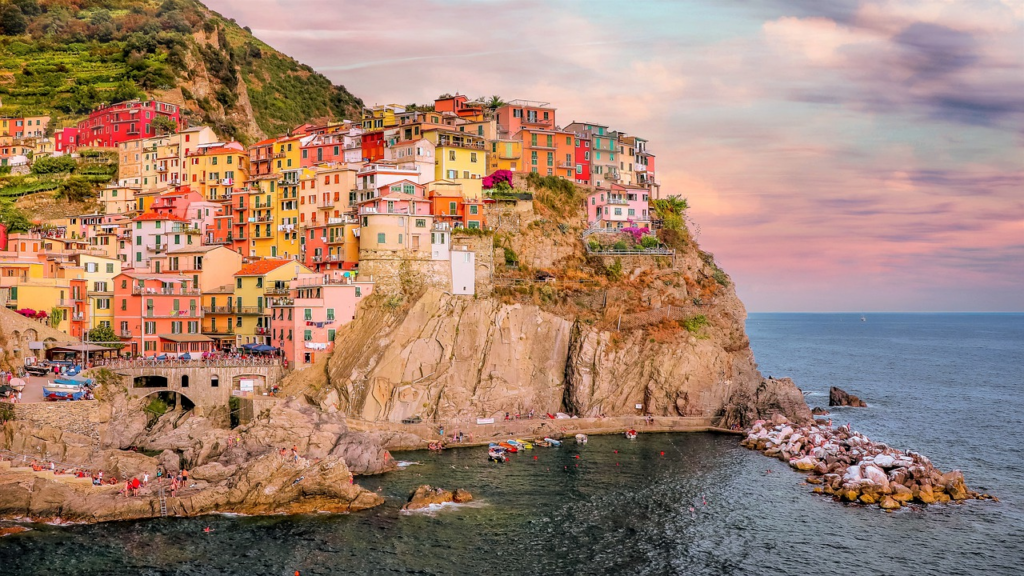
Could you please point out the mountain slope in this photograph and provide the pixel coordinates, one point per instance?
(63, 57)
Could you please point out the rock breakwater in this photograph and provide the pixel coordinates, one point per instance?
(848, 466)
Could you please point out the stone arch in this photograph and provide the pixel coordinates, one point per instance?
(16, 344)
(150, 381)
(178, 392)
(31, 335)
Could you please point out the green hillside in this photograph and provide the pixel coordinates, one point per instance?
(63, 57)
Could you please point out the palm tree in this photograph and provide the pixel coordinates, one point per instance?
(494, 102)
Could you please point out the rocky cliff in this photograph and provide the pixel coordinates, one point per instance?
(601, 335)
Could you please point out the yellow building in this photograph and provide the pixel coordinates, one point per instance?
(254, 284)
(261, 215)
(218, 315)
(504, 155)
(119, 199)
(381, 116)
(287, 154)
(461, 158)
(214, 172)
(99, 273)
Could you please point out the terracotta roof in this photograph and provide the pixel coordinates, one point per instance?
(148, 216)
(261, 267)
(265, 142)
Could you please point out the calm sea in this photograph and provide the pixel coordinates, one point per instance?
(948, 385)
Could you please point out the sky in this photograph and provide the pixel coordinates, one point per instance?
(861, 155)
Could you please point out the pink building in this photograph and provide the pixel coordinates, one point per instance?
(619, 207)
(519, 114)
(304, 324)
(159, 314)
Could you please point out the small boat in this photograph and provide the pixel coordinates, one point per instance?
(436, 446)
(522, 444)
(508, 447)
(496, 455)
(552, 441)
(516, 443)
(581, 438)
(543, 444)
(863, 319)
(630, 434)
(54, 391)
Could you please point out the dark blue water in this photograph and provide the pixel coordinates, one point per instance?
(947, 385)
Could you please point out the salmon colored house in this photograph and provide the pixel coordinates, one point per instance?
(159, 314)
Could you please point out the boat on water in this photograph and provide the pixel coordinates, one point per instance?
(630, 434)
(497, 455)
(543, 444)
(863, 319)
(55, 391)
(581, 438)
(508, 447)
(552, 441)
(524, 445)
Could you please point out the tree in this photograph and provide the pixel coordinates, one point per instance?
(28, 7)
(13, 218)
(103, 333)
(54, 165)
(74, 190)
(126, 90)
(12, 20)
(56, 316)
(494, 102)
(164, 125)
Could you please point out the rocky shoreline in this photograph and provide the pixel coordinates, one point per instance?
(851, 468)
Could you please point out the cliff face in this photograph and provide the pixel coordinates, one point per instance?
(661, 334)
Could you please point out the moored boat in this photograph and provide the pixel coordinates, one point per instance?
(524, 444)
(508, 447)
(581, 438)
(552, 441)
(54, 391)
(630, 434)
(496, 454)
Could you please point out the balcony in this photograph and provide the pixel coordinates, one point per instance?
(161, 168)
(566, 165)
(219, 331)
(326, 203)
(276, 291)
(250, 311)
(342, 220)
(227, 182)
(542, 146)
(528, 121)
(372, 210)
(458, 142)
(80, 317)
(617, 201)
(183, 314)
(125, 333)
(218, 310)
(286, 228)
(146, 291)
(328, 258)
(277, 156)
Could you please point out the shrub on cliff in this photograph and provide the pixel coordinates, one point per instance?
(695, 323)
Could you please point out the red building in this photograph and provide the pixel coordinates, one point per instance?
(373, 146)
(459, 105)
(65, 140)
(117, 123)
(583, 153)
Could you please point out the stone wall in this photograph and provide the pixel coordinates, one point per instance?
(483, 247)
(390, 270)
(508, 217)
(632, 263)
(79, 417)
(200, 389)
(16, 332)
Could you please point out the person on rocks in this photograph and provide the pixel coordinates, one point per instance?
(127, 490)
(135, 486)
(145, 478)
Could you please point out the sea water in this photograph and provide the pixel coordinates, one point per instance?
(948, 385)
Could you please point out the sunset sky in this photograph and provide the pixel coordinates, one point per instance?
(838, 156)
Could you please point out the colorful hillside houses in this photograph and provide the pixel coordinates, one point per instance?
(205, 245)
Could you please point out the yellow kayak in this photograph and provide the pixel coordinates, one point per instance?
(525, 445)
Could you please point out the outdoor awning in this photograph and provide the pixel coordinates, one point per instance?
(85, 348)
(185, 337)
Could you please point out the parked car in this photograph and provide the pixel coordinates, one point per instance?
(413, 420)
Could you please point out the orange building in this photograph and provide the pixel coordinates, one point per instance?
(548, 152)
(519, 114)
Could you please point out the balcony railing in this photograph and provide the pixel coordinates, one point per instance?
(250, 311)
(372, 210)
(460, 143)
(219, 331)
(276, 291)
(146, 291)
(125, 333)
(189, 314)
(218, 309)
(618, 201)
(329, 258)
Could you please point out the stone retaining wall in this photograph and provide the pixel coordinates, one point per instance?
(78, 417)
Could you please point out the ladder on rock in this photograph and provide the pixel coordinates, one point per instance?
(163, 503)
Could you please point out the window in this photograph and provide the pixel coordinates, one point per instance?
(193, 327)
(421, 223)
(451, 155)
(150, 327)
(359, 292)
(259, 282)
(399, 238)
(238, 282)
(474, 209)
(110, 268)
(307, 335)
(474, 224)
(472, 156)
(330, 314)
(380, 238)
